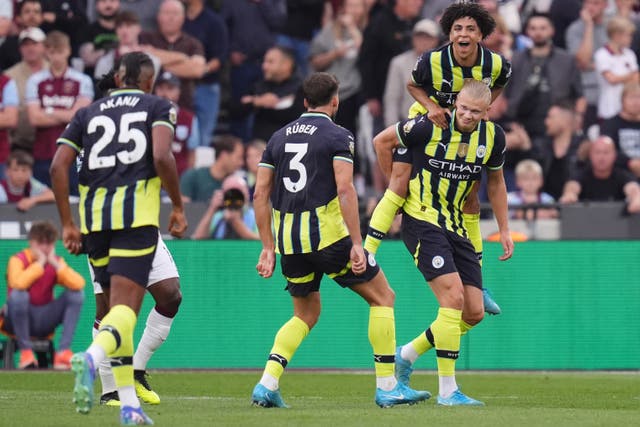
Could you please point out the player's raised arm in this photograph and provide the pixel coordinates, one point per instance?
(384, 143)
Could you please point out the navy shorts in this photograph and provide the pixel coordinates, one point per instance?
(437, 251)
(304, 271)
(127, 253)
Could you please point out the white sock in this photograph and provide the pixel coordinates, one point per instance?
(386, 383)
(447, 385)
(155, 333)
(97, 354)
(269, 381)
(128, 396)
(106, 376)
(407, 352)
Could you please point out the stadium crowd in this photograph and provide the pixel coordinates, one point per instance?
(571, 110)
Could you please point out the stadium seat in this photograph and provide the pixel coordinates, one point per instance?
(42, 347)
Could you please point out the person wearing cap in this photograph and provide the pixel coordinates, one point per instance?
(396, 101)
(128, 32)
(186, 137)
(31, 42)
(53, 96)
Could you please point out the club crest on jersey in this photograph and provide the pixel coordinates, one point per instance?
(481, 151)
(437, 261)
(487, 81)
(68, 87)
(401, 150)
(173, 115)
(408, 126)
(352, 147)
(463, 149)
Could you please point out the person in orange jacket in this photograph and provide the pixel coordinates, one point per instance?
(31, 309)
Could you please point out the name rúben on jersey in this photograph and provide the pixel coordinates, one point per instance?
(300, 128)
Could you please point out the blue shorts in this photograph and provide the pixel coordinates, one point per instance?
(304, 271)
(437, 251)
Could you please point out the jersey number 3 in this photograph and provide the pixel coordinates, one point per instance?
(125, 135)
(296, 165)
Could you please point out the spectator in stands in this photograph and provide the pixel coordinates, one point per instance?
(277, 99)
(624, 129)
(529, 181)
(179, 53)
(397, 100)
(9, 54)
(304, 19)
(625, 9)
(68, 16)
(53, 96)
(584, 37)
(616, 65)
(19, 186)
(542, 75)
(147, 11)
(563, 13)
(560, 150)
(33, 61)
(28, 14)
(128, 32)
(32, 309)
(252, 157)
(209, 28)
(229, 215)
(99, 37)
(500, 40)
(186, 136)
(603, 180)
(198, 185)
(388, 34)
(433, 9)
(8, 116)
(335, 50)
(247, 49)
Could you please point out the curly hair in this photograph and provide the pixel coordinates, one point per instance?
(456, 11)
(133, 63)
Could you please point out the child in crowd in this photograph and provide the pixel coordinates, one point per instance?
(19, 186)
(529, 182)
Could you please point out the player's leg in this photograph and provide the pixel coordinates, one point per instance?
(382, 336)
(388, 206)
(168, 297)
(303, 284)
(109, 394)
(164, 286)
(471, 216)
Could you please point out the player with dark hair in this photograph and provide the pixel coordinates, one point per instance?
(445, 165)
(126, 143)
(436, 80)
(307, 173)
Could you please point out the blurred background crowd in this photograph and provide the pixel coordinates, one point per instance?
(571, 110)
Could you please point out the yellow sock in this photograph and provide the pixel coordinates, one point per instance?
(117, 326)
(423, 342)
(381, 220)
(287, 341)
(382, 336)
(446, 334)
(472, 225)
(464, 327)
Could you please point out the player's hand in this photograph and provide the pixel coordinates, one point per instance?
(358, 260)
(177, 223)
(439, 116)
(507, 245)
(72, 239)
(266, 263)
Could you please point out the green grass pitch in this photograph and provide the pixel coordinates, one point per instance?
(218, 398)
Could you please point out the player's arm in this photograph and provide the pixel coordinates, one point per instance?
(497, 191)
(165, 165)
(348, 199)
(262, 210)
(63, 159)
(384, 143)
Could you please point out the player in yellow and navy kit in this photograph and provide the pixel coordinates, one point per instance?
(306, 173)
(126, 141)
(436, 80)
(446, 164)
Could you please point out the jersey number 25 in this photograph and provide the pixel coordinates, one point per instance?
(125, 135)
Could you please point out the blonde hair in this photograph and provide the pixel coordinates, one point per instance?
(630, 88)
(619, 24)
(528, 166)
(57, 40)
(477, 90)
